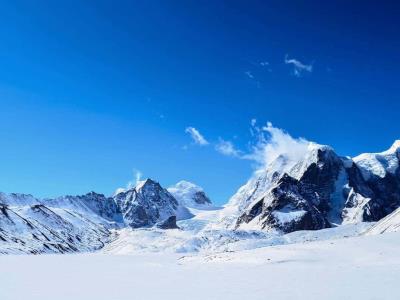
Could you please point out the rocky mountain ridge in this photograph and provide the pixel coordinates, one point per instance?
(320, 190)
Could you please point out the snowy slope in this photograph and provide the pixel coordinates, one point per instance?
(379, 164)
(197, 235)
(38, 229)
(390, 223)
(351, 269)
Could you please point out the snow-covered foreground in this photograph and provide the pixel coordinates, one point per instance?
(366, 267)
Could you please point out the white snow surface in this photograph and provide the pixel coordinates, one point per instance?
(198, 235)
(366, 267)
(391, 223)
(379, 163)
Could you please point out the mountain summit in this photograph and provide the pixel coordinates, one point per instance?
(146, 204)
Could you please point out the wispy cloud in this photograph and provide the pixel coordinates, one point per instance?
(227, 148)
(269, 143)
(272, 143)
(249, 74)
(298, 67)
(264, 64)
(197, 137)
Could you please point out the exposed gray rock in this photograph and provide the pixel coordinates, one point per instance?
(169, 223)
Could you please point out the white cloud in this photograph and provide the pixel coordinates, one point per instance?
(264, 63)
(270, 143)
(249, 74)
(227, 148)
(298, 66)
(131, 184)
(277, 143)
(197, 137)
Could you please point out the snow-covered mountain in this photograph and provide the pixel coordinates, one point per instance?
(189, 195)
(38, 229)
(317, 190)
(146, 204)
(82, 223)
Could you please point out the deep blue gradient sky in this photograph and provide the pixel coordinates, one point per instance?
(92, 90)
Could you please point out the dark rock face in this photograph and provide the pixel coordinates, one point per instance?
(169, 223)
(383, 194)
(331, 190)
(298, 204)
(146, 204)
(103, 206)
(201, 198)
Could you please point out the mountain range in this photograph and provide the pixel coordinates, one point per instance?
(315, 190)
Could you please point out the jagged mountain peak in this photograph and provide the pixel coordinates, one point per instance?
(146, 184)
(327, 189)
(285, 163)
(141, 184)
(146, 204)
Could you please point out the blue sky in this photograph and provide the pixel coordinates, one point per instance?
(93, 91)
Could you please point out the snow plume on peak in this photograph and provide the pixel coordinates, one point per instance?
(275, 153)
(275, 146)
(131, 184)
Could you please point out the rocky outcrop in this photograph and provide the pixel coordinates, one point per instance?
(169, 223)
